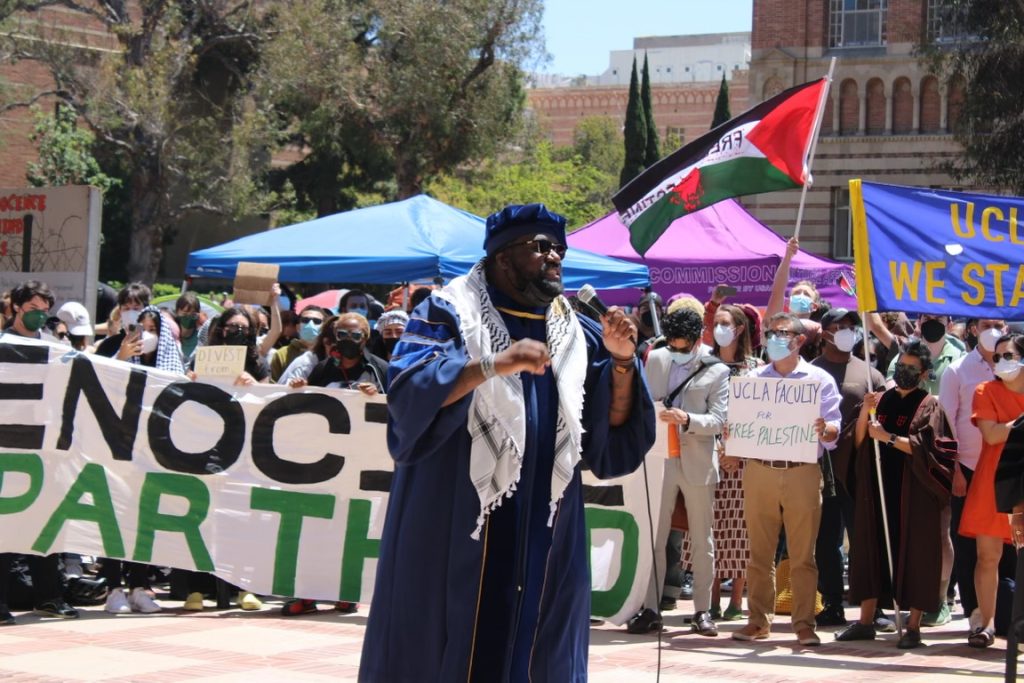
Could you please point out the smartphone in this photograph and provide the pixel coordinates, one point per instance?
(725, 290)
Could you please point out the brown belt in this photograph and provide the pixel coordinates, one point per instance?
(781, 464)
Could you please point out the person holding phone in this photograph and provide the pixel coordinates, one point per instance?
(127, 343)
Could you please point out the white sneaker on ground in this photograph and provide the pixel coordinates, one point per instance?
(141, 601)
(248, 601)
(117, 603)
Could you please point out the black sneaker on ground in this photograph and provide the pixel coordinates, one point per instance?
(644, 621)
(911, 639)
(686, 590)
(832, 615)
(856, 631)
(56, 608)
(6, 618)
(667, 604)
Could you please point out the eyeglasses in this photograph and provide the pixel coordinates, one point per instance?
(305, 320)
(235, 328)
(341, 335)
(62, 335)
(1006, 355)
(781, 334)
(907, 368)
(545, 247)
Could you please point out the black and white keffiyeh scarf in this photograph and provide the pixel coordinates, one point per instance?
(497, 413)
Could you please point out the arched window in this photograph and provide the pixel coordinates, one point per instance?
(902, 106)
(955, 104)
(849, 107)
(875, 103)
(826, 118)
(931, 105)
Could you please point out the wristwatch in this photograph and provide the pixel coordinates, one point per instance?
(892, 440)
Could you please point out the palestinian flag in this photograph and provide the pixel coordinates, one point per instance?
(848, 287)
(762, 150)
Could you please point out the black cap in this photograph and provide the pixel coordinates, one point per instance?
(835, 315)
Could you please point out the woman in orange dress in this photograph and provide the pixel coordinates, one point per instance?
(996, 405)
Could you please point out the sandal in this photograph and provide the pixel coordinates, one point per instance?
(981, 637)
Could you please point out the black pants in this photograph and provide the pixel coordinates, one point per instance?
(965, 553)
(45, 573)
(836, 515)
(113, 571)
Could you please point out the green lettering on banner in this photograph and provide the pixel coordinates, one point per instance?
(606, 603)
(152, 520)
(91, 480)
(26, 463)
(293, 506)
(358, 548)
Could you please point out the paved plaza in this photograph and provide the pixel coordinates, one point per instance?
(235, 646)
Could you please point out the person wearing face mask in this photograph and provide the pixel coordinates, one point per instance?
(909, 426)
(188, 316)
(237, 326)
(498, 392)
(79, 326)
(298, 371)
(803, 300)
(944, 347)
(349, 365)
(693, 387)
(390, 327)
(127, 342)
(997, 405)
(841, 330)
(310, 320)
(782, 493)
(956, 394)
(31, 302)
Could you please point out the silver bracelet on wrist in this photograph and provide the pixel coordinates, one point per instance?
(487, 366)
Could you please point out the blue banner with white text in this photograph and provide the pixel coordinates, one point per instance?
(935, 251)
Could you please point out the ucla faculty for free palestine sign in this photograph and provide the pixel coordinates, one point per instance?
(276, 490)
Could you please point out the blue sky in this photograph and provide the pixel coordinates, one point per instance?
(580, 33)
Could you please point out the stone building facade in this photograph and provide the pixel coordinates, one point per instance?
(888, 118)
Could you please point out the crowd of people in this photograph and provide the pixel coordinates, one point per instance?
(931, 406)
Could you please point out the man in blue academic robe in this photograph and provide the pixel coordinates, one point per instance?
(498, 391)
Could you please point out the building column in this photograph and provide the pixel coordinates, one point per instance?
(862, 114)
(915, 100)
(943, 109)
(888, 111)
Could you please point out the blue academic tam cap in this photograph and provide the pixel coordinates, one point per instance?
(518, 220)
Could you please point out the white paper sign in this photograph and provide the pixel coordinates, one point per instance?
(220, 362)
(773, 419)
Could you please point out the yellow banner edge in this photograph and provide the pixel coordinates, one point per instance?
(866, 299)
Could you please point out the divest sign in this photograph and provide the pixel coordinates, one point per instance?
(276, 490)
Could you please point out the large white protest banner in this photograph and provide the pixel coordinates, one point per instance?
(772, 418)
(276, 490)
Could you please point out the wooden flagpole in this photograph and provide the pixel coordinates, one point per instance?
(809, 180)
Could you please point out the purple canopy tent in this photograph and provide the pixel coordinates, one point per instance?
(722, 243)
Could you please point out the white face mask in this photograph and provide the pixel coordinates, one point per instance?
(682, 358)
(1007, 370)
(149, 341)
(989, 337)
(129, 318)
(724, 335)
(845, 339)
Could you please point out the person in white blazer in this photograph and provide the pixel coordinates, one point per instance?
(693, 387)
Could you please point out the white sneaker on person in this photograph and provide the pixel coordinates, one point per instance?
(141, 601)
(117, 603)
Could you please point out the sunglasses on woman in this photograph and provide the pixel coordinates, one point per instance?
(235, 328)
(1006, 355)
(305, 320)
(355, 336)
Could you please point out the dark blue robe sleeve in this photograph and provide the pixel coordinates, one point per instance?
(424, 369)
(613, 451)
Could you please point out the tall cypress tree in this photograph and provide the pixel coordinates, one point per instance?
(651, 152)
(634, 132)
(722, 113)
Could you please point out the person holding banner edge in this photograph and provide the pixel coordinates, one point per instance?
(483, 559)
(781, 493)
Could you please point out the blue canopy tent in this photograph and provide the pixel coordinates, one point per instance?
(415, 239)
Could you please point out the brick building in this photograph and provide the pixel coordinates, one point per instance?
(686, 73)
(887, 120)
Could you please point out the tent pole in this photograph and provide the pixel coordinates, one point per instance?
(813, 144)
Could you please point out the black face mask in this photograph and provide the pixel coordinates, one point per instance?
(389, 345)
(236, 339)
(932, 330)
(350, 349)
(907, 378)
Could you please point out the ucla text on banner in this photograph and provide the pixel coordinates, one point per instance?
(276, 490)
(935, 251)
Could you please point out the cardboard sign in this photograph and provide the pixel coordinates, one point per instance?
(220, 362)
(253, 282)
(771, 418)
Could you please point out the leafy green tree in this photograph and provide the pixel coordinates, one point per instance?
(980, 51)
(722, 113)
(165, 97)
(65, 153)
(651, 152)
(384, 95)
(597, 140)
(635, 132)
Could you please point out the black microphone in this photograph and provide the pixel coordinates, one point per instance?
(588, 296)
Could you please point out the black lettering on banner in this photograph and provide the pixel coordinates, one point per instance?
(21, 435)
(286, 471)
(376, 412)
(609, 496)
(222, 455)
(375, 480)
(118, 431)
